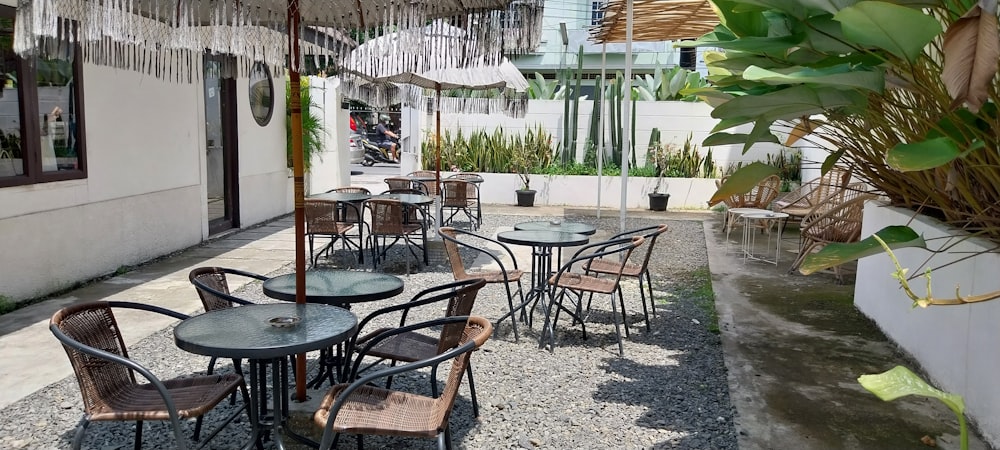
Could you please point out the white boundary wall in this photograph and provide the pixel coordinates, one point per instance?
(674, 119)
(955, 345)
(146, 188)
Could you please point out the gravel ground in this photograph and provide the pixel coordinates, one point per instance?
(669, 391)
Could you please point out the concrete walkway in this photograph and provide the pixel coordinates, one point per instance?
(793, 345)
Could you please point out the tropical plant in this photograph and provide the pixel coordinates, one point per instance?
(904, 92)
(312, 127)
(667, 84)
(541, 89)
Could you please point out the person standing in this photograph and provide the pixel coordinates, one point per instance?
(383, 135)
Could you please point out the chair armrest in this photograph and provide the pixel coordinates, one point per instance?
(244, 273)
(375, 340)
(328, 434)
(644, 231)
(506, 248)
(147, 307)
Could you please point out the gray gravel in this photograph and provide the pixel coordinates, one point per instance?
(670, 390)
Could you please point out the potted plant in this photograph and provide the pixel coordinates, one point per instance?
(659, 158)
(524, 158)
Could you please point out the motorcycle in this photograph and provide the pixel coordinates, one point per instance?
(375, 153)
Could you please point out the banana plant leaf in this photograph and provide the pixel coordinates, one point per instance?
(900, 30)
(895, 236)
(723, 138)
(926, 154)
(841, 76)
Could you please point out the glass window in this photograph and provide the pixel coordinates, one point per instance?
(596, 12)
(43, 97)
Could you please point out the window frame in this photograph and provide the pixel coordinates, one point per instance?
(597, 12)
(29, 115)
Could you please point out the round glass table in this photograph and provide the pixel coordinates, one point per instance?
(542, 242)
(248, 332)
(548, 225)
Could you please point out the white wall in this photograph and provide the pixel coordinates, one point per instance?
(956, 345)
(145, 192)
(674, 119)
(332, 168)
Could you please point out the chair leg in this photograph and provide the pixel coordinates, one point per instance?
(138, 435)
(472, 389)
(642, 297)
(618, 331)
(510, 304)
(649, 285)
(621, 301)
(81, 429)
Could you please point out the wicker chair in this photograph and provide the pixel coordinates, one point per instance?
(475, 200)
(405, 183)
(640, 271)
(839, 223)
(800, 202)
(212, 285)
(413, 346)
(456, 199)
(759, 197)
(360, 408)
(479, 244)
(431, 186)
(327, 218)
(566, 281)
(389, 220)
(107, 377)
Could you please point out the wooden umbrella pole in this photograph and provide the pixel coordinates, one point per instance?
(298, 171)
(437, 134)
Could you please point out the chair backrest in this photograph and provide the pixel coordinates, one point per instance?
(460, 304)
(468, 176)
(613, 248)
(208, 281)
(431, 186)
(450, 238)
(351, 190)
(456, 192)
(650, 243)
(830, 183)
(386, 216)
(398, 183)
(839, 223)
(94, 325)
(321, 216)
(760, 196)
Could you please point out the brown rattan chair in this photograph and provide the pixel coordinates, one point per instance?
(567, 281)
(212, 285)
(405, 183)
(361, 408)
(107, 377)
(431, 186)
(351, 190)
(839, 223)
(639, 270)
(388, 220)
(413, 346)
(456, 199)
(351, 214)
(475, 200)
(481, 244)
(800, 202)
(323, 219)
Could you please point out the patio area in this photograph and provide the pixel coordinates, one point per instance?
(778, 371)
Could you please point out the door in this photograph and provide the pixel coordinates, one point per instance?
(221, 160)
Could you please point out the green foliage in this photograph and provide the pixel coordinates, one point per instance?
(492, 152)
(6, 304)
(789, 164)
(312, 126)
(669, 84)
(866, 79)
(669, 160)
(900, 382)
(541, 89)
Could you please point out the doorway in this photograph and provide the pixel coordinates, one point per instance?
(221, 159)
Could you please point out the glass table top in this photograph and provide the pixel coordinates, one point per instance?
(336, 287)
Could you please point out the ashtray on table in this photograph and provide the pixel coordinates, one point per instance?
(283, 321)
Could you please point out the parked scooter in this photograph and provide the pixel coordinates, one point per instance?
(375, 154)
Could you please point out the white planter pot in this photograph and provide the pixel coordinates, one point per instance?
(956, 345)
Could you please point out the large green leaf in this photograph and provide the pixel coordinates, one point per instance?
(922, 155)
(841, 76)
(740, 22)
(902, 31)
(742, 181)
(767, 45)
(734, 138)
(826, 36)
(796, 101)
(830, 6)
(895, 236)
(900, 382)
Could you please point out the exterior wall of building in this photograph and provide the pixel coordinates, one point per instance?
(145, 192)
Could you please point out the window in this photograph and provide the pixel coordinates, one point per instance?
(596, 12)
(41, 121)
